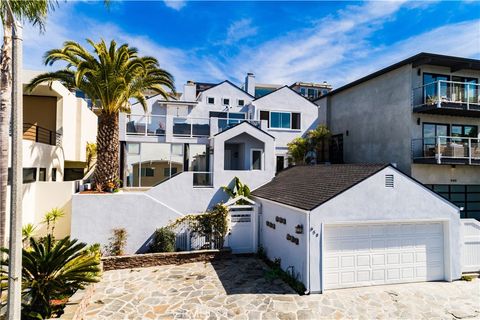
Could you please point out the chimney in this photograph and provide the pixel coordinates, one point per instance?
(190, 91)
(250, 83)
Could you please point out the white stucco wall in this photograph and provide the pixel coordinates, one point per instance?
(285, 99)
(274, 241)
(96, 215)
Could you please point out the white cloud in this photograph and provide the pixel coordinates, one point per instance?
(239, 30)
(175, 4)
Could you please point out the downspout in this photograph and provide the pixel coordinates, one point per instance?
(307, 230)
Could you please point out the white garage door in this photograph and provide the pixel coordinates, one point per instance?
(374, 254)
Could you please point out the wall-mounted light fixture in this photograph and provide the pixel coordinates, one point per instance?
(299, 229)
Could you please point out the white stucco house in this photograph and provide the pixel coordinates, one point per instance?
(176, 156)
(339, 226)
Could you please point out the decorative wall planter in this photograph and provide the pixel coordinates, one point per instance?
(281, 220)
(292, 239)
(270, 224)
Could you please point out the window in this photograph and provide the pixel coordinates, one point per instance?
(303, 92)
(54, 174)
(226, 101)
(296, 121)
(167, 172)
(433, 130)
(133, 148)
(265, 115)
(42, 175)
(466, 196)
(284, 120)
(241, 102)
(431, 88)
(256, 160)
(464, 131)
(29, 175)
(148, 172)
(211, 100)
(312, 93)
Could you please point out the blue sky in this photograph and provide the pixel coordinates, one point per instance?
(281, 42)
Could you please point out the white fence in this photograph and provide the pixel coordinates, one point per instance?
(470, 245)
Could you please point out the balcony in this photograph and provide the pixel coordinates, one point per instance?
(447, 98)
(180, 127)
(39, 134)
(446, 150)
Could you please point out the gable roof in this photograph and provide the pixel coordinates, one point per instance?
(233, 85)
(278, 89)
(239, 124)
(456, 63)
(307, 187)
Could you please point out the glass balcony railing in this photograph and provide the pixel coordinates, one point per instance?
(202, 179)
(224, 123)
(146, 125)
(191, 127)
(446, 149)
(447, 94)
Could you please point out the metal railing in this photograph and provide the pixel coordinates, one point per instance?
(202, 179)
(146, 125)
(441, 148)
(462, 95)
(191, 127)
(39, 134)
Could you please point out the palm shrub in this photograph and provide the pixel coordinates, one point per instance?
(110, 76)
(53, 270)
(117, 242)
(237, 188)
(51, 218)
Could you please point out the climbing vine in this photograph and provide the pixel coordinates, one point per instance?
(213, 224)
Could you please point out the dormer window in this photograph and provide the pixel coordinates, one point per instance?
(226, 102)
(241, 102)
(211, 100)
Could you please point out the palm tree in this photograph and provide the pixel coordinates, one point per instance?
(110, 76)
(28, 231)
(35, 12)
(52, 270)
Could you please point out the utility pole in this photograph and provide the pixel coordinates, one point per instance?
(14, 304)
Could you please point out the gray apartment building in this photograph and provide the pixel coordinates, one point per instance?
(422, 114)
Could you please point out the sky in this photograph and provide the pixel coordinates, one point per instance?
(280, 42)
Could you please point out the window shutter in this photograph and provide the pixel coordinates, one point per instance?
(296, 123)
(265, 115)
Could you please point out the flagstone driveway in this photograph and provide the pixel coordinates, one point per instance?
(238, 289)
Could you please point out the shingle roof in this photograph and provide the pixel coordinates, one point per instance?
(307, 187)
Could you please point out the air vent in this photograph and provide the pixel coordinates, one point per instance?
(389, 182)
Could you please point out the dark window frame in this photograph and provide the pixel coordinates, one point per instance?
(452, 189)
(42, 171)
(208, 100)
(25, 172)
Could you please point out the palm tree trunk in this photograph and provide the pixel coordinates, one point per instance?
(107, 166)
(5, 110)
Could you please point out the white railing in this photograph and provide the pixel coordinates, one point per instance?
(458, 95)
(202, 179)
(145, 125)
(441, 147)
(225, 123)
(470, 245)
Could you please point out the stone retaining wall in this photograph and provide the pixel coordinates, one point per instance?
(78, 303)
(160, 259)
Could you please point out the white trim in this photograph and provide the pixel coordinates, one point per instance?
(262, 165)
(348, 222)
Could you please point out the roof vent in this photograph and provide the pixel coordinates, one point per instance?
(389, 181)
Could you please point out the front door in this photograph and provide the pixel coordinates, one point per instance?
(280, 163)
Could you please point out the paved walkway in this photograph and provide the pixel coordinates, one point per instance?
(237, 289)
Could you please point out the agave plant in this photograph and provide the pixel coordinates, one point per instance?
(53, 270)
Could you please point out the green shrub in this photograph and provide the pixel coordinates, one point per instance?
(467, 278)
(163, 241)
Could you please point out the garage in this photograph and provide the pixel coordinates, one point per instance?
(376, 254)
(354, 225)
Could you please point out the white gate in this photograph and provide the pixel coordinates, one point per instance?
(470, 245)
(242, 236)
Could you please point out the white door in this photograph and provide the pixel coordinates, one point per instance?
(240, 238)
(375, 254)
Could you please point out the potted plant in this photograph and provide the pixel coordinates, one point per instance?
(110, 187)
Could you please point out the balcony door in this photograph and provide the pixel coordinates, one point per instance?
(431, 87)
(465, 89)
(430, 133)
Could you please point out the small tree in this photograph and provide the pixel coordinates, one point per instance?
(28, 231)
(117, 242)
(297, 149)
(163, 241)
(51, 218)
(310, 146)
